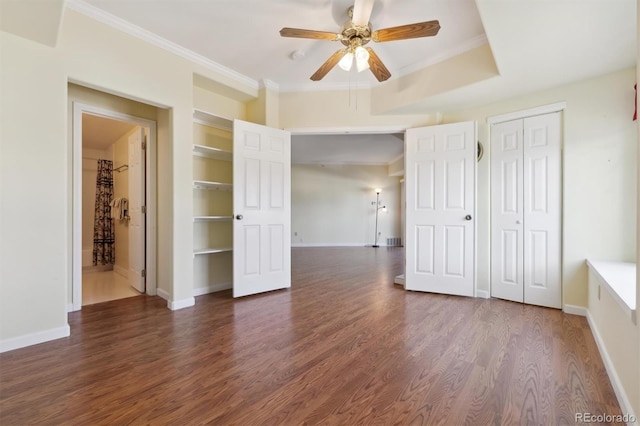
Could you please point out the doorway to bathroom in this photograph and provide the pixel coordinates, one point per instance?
(110, 206)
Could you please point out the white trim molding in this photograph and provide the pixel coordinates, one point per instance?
(516, 115)
(482, 294)
(34, 338)
(163, 294)
(575, 310)
(142, 34)
(79, 109)
(174, 305)
(333, 245)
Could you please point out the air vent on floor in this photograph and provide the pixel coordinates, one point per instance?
(394, 241)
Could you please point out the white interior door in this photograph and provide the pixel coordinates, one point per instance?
(440, 208)
(136, 214)
(262, 209)
(542, 211)
(507, 211)
(526, 210)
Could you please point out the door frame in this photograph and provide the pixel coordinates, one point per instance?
(150, 199)
(518, 115)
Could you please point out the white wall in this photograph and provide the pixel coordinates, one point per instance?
(331, 205)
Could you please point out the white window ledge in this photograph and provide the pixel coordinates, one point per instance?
(619, 278)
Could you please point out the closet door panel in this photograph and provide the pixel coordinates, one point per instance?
(506, 211)
(542, 210)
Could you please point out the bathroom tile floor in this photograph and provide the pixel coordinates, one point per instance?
(104, 286)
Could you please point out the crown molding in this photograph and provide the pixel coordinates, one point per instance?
(269, 84)
(120, 24)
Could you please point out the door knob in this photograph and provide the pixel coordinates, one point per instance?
(239, 217)
(467, 217)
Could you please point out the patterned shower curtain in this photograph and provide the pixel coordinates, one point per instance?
(103, 234)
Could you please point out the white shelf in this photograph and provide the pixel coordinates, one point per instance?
(209, 119)
(215, 186)
(212, 250)
(215, 153)
(213, 218)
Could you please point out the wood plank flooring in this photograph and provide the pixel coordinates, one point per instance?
(342, 346)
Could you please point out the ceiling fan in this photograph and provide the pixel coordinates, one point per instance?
(356, 33)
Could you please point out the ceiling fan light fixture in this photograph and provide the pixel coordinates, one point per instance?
(362, 58)
(346, 62)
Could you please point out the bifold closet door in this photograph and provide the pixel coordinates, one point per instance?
(526, 210)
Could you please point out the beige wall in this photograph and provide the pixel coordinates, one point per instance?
(619, 337)
(34, 81)
(599, 167)
(340, 109)
(34, 160)
(331, 205)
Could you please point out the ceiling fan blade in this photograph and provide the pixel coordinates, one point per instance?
(419, 29)
(317, 35)
(362, 12)
(377, 67)
(328, 65)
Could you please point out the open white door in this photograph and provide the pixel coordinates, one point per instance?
(136, 213)
(440, 208)
(262, 209)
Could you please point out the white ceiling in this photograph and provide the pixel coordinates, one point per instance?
(243, 35)
(536, 44)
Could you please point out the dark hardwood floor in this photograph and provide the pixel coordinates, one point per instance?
(342, 346)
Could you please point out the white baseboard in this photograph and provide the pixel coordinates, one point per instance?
(623, 399)
(34, 338)
(329, 245)
(212, 289)
(174, 305)
(70, 307)
(121, 271)
(165, 295)
(575, 310)
(483, 294)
